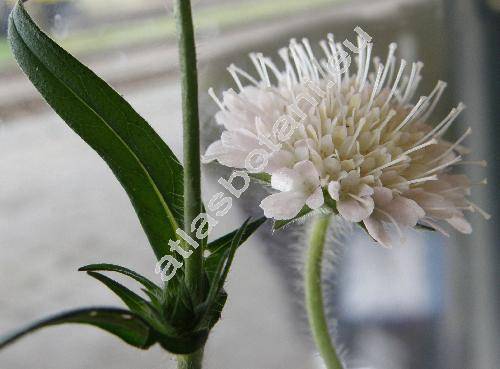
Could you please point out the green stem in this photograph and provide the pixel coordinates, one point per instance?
(314, 294)
(191, 135)
(192, 171)
(192, 361)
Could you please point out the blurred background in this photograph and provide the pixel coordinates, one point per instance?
(432, 303)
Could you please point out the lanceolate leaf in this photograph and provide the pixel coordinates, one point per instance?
(218, 266)
(122, 323)
(122, 270)
(145, 166)
(135, 303)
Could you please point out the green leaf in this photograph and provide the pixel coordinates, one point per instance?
(235, 243)
(125, 271)
(122, 323)
(145, 166)
(223, 243)
(216, 298)
(135, 303)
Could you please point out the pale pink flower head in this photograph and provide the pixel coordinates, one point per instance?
(354, 143)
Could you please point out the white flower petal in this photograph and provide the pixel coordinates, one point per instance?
(434, 205)
(334, 190)
(240, 139)
(279, 159)
(382, 196)
(354, 210)
(214, 150)
(284, 179)
(405, 212)
(228, 157)
(283, 205)
(307, 171)
(377, 230)
(365, 190)
(316, 200)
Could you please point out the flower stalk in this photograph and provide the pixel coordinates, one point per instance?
(192, 361)
(191, 137)
(192, 171)
(314, 294)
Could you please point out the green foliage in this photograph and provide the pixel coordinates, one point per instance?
(125, 271)
(122, 323)
(168, 317)
(171, 315)
(145, 166)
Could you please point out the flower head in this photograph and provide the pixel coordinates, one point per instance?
(355, 140)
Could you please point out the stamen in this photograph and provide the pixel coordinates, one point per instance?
(290, 72)
(481, 163)
(423, 179)
(442, 166)
(367, 66)
(438, 91)
(389, 116)
(214, 97)
(402, 66)
(236, 78)
(392, 48)
(244, 74)
(446, 121)
(360, 62)
(391, 163)
(361, 123)
(257, 65)
(413, 83)
(375, 86)
(451, 189)
(443, 130)
(274, 68)
(314, 63)
(263, 67)
(411, 114)
(452, 147)
(483, 213)
(410, 82)
(404, 155)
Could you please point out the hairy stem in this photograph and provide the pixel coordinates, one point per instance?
(192, 361)
(314, 294)
(192, 171)
(191, 136)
